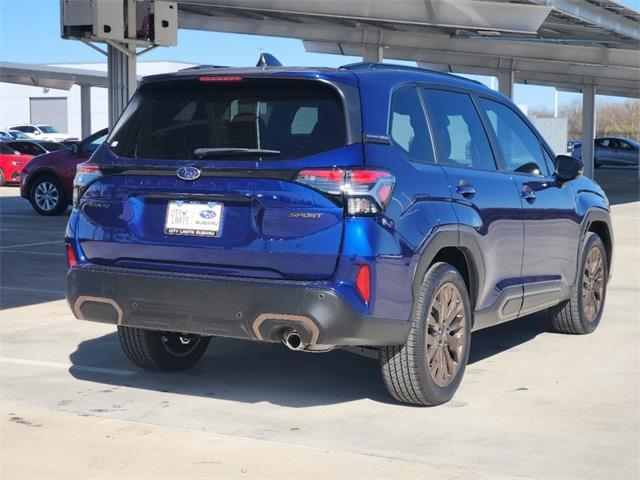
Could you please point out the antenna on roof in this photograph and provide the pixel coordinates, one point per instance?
(268, 60)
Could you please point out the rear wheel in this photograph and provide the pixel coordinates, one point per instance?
(47, 197)
(582, 312)
(2, 181)
(428, 368)
(161, 351)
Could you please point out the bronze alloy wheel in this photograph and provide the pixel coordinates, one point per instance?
(446, 334)
(593, 284)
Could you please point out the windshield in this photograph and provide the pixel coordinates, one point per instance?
(18, 134)
(47, 129)
(279, 118)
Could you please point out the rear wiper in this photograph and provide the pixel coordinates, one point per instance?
(232, 151)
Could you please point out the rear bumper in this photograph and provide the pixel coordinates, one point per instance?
(225, 306)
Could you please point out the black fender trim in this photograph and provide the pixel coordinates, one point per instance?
(595, 215)
(453, 238)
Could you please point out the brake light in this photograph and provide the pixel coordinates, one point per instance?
(367, 191)
(363, 282)
(221, 78)
(71, 257)
(85, 174)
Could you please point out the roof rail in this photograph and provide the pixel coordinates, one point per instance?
(394, 66)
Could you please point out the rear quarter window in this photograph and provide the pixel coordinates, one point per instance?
(170, 120)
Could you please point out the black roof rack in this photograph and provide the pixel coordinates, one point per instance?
(394, 66)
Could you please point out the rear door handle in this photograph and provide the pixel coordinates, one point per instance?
(465, 189)
(528, 194)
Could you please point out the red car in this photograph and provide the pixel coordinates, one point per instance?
(11, 164)
(47, 181)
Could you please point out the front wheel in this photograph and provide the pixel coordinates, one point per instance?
(429, 367)
(582, 312)
(161, 351)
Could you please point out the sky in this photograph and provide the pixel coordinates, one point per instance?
(30, 33)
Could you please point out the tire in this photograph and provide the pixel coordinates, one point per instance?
(576, 315)
(161, 351)
(408, 374)
(47, 196)
(2, 180)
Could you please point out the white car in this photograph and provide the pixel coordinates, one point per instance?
(43, 132)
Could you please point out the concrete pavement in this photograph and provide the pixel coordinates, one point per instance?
(533, 403)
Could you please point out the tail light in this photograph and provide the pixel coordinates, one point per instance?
(85, 174)
(71, 256)
(366, 191)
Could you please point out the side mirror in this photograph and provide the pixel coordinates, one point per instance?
(568, 168)
(37, 132)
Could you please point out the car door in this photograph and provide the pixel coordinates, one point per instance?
(485, 200)
(551, 227)
(628, 153)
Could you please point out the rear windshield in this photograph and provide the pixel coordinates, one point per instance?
(170, 120)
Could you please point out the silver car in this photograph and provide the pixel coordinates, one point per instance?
(613, 151)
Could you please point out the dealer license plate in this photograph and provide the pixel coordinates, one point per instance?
(200, 219)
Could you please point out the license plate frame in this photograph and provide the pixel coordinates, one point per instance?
(188, 218)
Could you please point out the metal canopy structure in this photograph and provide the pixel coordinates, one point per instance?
(587, 46)
(61, 78)
(561, 43)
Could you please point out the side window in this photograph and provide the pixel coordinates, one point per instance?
(6, 150)
(520, 146)
(624, 145)
(89, 148)
(408, 126)
(459, 135)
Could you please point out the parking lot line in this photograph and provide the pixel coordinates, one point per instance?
(31, 244)
(35, 290)
(49, 254)
(66, 366)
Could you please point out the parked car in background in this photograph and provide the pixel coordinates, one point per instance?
(17, 135)
(43, 132)
(571, 144)
(5, 137)
(371, 205)
(612, 151)
(35, 147)
(47, 182)
(11, 164)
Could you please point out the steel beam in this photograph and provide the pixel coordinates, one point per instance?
(588, 127)
(590, 13)
(464, 14)
(372, 53)
(85, 110)
(506, 80)
(121, 71)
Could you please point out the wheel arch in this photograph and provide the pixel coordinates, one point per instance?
(460, 250)
(599, 222)
(44, 172)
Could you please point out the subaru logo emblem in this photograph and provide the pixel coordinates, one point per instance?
(208, 214)
(188, 173)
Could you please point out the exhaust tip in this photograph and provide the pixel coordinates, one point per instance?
(292, 340)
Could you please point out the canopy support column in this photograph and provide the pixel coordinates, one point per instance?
(121, 65)
(85, 110)
(588, 128)
(505, 82)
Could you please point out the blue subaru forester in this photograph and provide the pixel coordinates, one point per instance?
(370, 205)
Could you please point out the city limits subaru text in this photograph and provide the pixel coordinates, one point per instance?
(372, 205)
